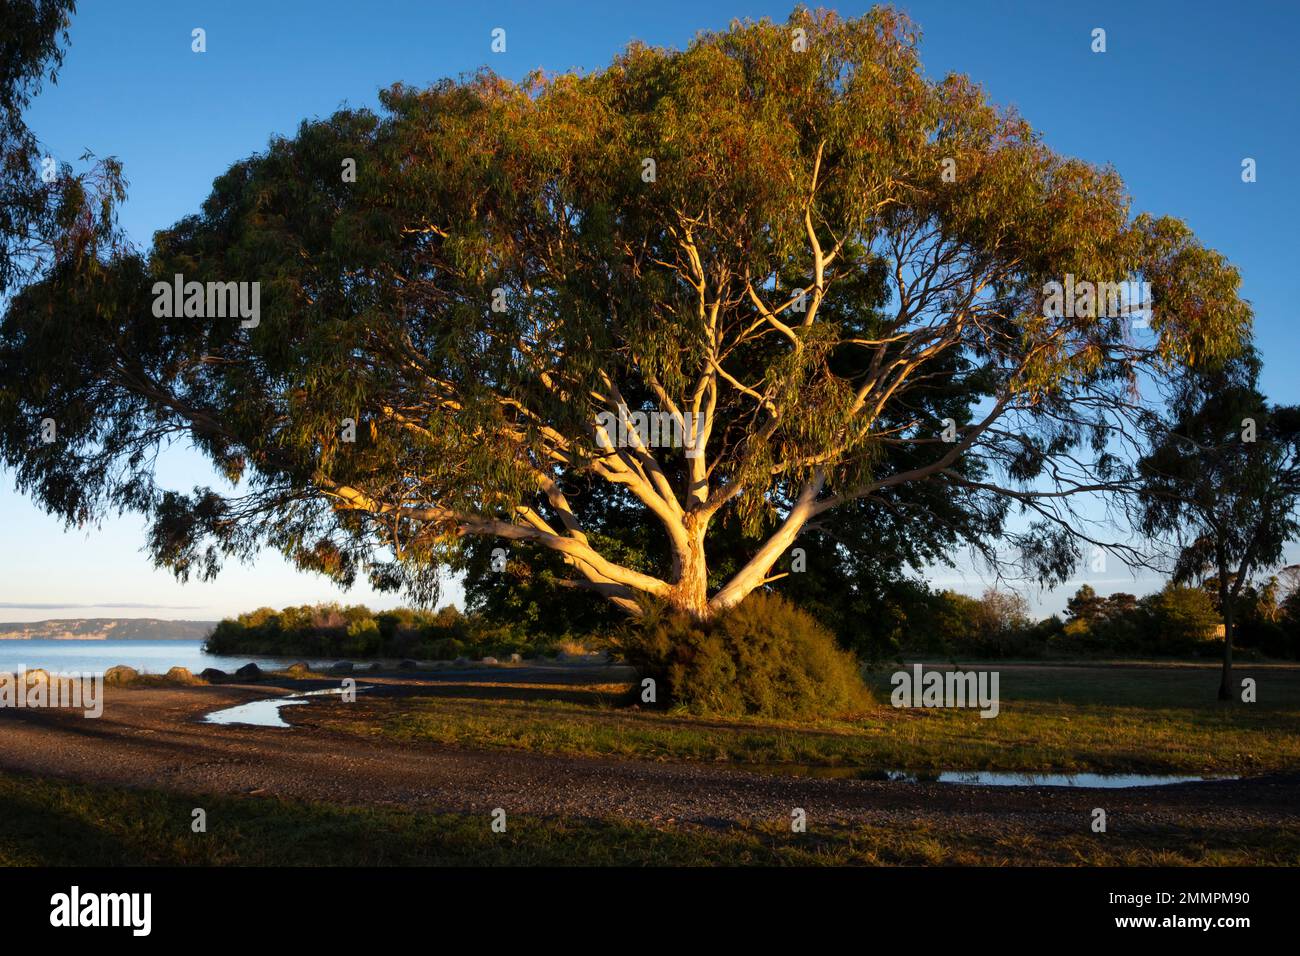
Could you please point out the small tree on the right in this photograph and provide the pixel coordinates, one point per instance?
(1221, 478)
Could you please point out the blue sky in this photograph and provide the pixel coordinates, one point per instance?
(1184, 92)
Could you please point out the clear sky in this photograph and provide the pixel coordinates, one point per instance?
(1184, 92)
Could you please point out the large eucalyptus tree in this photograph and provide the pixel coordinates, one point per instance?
(772, 275)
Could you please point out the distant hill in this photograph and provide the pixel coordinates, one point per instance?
(106, 629)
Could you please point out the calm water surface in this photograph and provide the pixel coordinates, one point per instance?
(987, 778)
(266, 713)
(148, 657)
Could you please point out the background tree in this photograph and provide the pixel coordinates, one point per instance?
(1222, 479)
(1180, 618)
(1116, 622)
(800, 253)
(47, 212)
(995, 624)
(1260, 617)
(1087, 606)
(1288, 612)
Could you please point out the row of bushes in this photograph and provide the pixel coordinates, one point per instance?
(331, 630)
(1176, 621)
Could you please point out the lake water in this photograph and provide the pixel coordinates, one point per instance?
(148, 657)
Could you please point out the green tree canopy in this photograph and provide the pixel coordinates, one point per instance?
(783, 241)
(1222, 481)
(47, 213)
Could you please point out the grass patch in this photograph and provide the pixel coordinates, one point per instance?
(1053, 718)
(52, 823)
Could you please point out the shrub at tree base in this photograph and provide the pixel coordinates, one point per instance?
(762, 657)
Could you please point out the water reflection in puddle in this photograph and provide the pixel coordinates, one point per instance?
(987, 778)
(266, 713)
(1106, 780)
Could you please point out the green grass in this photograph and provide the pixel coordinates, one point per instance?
(48, 823)
(1053, 718)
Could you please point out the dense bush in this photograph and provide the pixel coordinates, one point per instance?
(1176, 621)
(764, 657)
(1182, 619)
(996, 624)
(328, 630)
(1268, 615)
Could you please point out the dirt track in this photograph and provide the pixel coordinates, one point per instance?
(153, 738)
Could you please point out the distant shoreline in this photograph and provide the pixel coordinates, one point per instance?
(106, 629)
(93, 637)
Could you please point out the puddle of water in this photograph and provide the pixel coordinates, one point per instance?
(266, 713)
(258, 713)
(985, 778)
